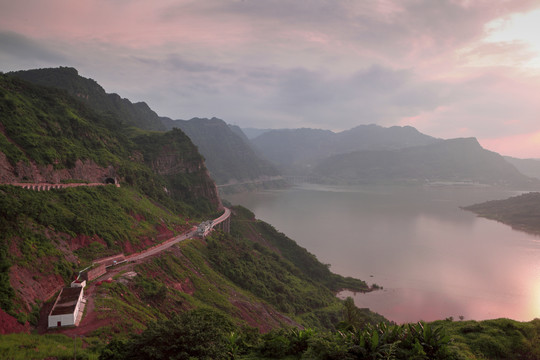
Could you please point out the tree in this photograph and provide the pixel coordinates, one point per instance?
(351, 315)
(200, 334)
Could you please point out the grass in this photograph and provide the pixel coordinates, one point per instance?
(33, 346)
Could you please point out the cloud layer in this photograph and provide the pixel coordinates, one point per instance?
(326, 64)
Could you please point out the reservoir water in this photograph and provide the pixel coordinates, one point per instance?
(433, 259)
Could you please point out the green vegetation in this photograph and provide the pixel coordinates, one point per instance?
(520, 212)
(261, 271)
(114, 215)
(494, 339)
(206, 334)
(38, 225)
(53, 128)
(94, 96)
(198, 299)
(197, 334)
(306, 262)
(50, 346)
(48, 127)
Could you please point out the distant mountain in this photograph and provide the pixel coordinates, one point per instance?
(238, 131)
(298, 150)
(294, 148)
(229, 156)
(93, 95)
(252, 133)
(529, 167)
(455, 160)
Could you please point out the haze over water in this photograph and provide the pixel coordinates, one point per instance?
(433, 259)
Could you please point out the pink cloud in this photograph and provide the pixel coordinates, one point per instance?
(521, 146)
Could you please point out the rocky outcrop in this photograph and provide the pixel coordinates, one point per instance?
(32, 287)
(85, 170)
(171, 164)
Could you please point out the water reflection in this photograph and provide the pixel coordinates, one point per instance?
(433, 259)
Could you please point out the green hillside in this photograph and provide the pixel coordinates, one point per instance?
(48, 136)
(252, 293)
(254, 277)
(94, 96)
(520, 212)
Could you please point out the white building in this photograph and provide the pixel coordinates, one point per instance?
(66, 308)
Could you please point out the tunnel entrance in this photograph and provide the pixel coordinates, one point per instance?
(110, 180)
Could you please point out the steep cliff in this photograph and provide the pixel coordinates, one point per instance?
(48, 136)
(47, 237)
(228, 154)
(93, 95)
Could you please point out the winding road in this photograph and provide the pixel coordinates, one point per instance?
(167, 244)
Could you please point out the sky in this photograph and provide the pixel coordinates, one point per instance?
(450, 68)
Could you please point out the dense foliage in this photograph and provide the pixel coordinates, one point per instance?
(197, 334)
(93, 95)
(38, 225)
(204, 334)
(47, 126)
(492, 339)
(54, 128)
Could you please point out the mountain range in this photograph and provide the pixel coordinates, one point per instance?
(229, 157)
(79, 184)
(227, 151)
(297, 150)
(87, 177)
(374, 154)
(452, 161)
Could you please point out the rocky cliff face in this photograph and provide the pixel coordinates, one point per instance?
(170, 163)
(85, 170)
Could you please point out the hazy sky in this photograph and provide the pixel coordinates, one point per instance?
(450, 68)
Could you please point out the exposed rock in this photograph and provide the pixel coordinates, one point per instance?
(32, 286)
(7, 173)
(86, 170)
(8, 324)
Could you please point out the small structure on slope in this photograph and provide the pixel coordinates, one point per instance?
(204, 228)
(66, 308)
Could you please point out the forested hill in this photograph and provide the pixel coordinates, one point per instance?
(454, 160)
(49, 136)
(298, 150)
(520, 212)
(254, 276)
(228, 154)
(93, 95)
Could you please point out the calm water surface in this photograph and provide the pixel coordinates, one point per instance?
(433, 259)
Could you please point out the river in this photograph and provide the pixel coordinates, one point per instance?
(433, 259)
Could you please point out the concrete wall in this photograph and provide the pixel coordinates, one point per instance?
(65, 320)
(94, 272)
(68, 319)
(78, 284)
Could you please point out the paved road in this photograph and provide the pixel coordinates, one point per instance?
(158, 248)
(223, 217)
